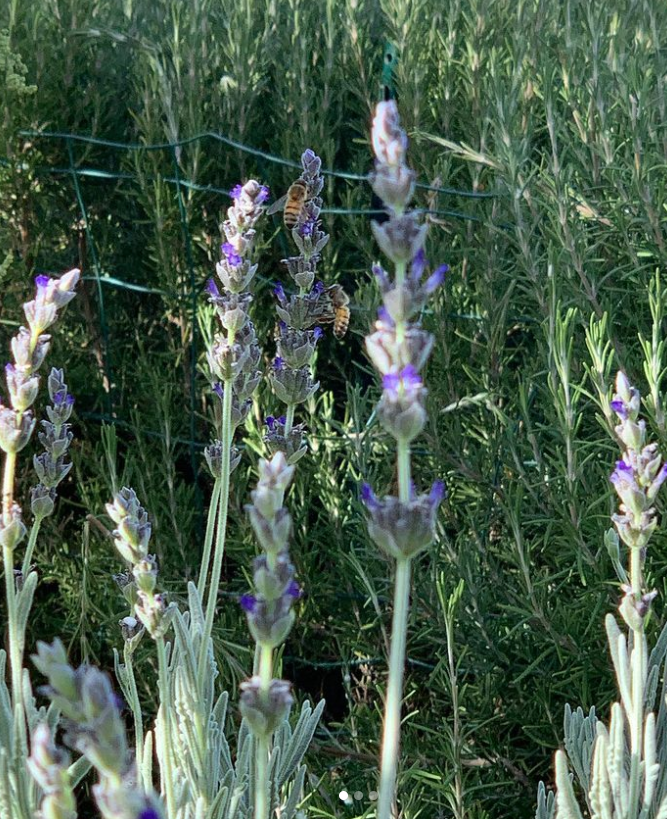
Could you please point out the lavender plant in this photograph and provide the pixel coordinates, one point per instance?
(291, 374)
(404, 525)
(197, 774)
(622, 769)
(265, 701)
(20, 715)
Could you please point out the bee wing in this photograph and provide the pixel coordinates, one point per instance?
(279, 204)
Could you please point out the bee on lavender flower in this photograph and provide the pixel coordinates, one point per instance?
(292, 203)
(340, 302)
(333, 308)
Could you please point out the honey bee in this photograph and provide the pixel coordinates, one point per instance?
(292, 203)
(341, 305)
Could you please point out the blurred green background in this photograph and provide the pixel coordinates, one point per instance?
(550, 120)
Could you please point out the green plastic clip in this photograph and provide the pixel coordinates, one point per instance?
(389, 62)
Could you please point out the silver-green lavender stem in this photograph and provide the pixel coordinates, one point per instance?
(223, 506)
(392, 714)
(10, 586)
(263, 742)
(289, 419)
(208, 539)
(30, 548)
(137, 716)
(638, 684)
(167, 774)
(391, 735)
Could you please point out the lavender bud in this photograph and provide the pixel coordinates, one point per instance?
(55, 438)
(276, 474)
(301, 312)
(296, 347)
(49, 768)
(265, 713)
(213, 455)
(312, 164)
(273, 577)
(50, 471)
(388, 355)
(145, 572)
(125, 503)
(154, 613)
(402, 530)
(225, 359)
(272, 533)
(292, 446)
(625, 484)
(40, 315)
(12, 528)
(292, 386)
(42, 501)
(244, 386)
(232, 310)
(394, 185)
(61, 290)
(401, 409)
(390, 143)
(22, 387)
(634, 611)
(302, 270)
(15, 429)
(401, 238)
(270, 621)
(235, 279)
(51, 660)
(26, 355)
(130, 627)
(626, 392)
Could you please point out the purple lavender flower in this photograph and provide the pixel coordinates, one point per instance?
(403, 529)
(149, 813)
(279, 293)
(236, 192)
(248, 603)
(403, 383)
(619, 408)
(263, 195)
(230, 254)
(293, 590)
(212, 289)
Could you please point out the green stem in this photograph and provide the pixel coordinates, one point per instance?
(30, 548)
(223, 505)
(263, 742)
(261, 779)
(404, 470)
(208, 540)
(136, 713)
(289, 419)
(638, 685)
(166, 774)
(14, 642)
(265, 668)
(392, 713)
(10, 584)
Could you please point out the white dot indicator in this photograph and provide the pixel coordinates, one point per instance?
(373, 795)
(358, 795)
(343, 796)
